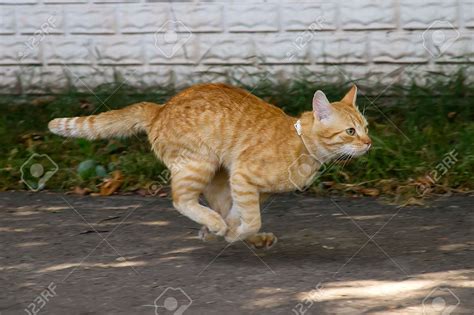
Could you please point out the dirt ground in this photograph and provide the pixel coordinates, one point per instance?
(64, 254)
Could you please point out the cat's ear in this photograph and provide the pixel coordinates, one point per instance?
(321, 106)
(351, 96)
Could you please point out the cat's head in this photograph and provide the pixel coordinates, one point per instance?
(339, 127)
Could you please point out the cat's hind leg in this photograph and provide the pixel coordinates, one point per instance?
(187, 183)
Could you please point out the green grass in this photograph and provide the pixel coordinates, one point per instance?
(413, 126)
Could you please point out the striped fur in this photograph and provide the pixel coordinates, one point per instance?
(116, 123)
(233, 147)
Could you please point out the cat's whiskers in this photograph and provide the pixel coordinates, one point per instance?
(347, 161)
(322, 158)
(336, 160)
(333, 162)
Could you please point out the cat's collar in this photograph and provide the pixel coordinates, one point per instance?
(297, 126)
(299, 131)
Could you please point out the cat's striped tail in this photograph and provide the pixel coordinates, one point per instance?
(115, 123)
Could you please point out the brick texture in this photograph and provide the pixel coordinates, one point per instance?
(420, 14)
(91, 19)
(300, 16)
(33, 19)
(252, 18)
(141, 19)
(7, 21)
(329, 49)
(398, 48)
(367, 15)
(64, 50)
(48, 45)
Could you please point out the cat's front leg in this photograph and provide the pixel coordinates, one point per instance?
(244, 218)
(260, 240)
(233, 223)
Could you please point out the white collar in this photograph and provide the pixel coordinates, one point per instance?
(297, 126)
(299, 131)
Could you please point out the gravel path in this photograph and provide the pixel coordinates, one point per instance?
(64, 254)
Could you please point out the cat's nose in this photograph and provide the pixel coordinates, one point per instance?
(368, 142)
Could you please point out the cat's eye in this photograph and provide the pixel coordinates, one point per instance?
(350, 131)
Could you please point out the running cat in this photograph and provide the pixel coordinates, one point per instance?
(234, 148)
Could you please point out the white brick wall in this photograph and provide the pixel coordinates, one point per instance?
(49, 45)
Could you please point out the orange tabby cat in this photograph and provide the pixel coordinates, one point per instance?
(234, 148)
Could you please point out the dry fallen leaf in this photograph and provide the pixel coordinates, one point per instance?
(111, 185)
(86, 105)
(345, 175)
(424, 180)
(373, 192)
(328, 184)
(81, 191)
(30, 139)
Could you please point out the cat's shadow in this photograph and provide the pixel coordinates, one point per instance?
(285, 252)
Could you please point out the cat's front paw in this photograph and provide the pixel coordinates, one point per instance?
(262, 241)
(233, 223)
(218, 226)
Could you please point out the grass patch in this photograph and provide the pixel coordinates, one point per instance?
(413, 127)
